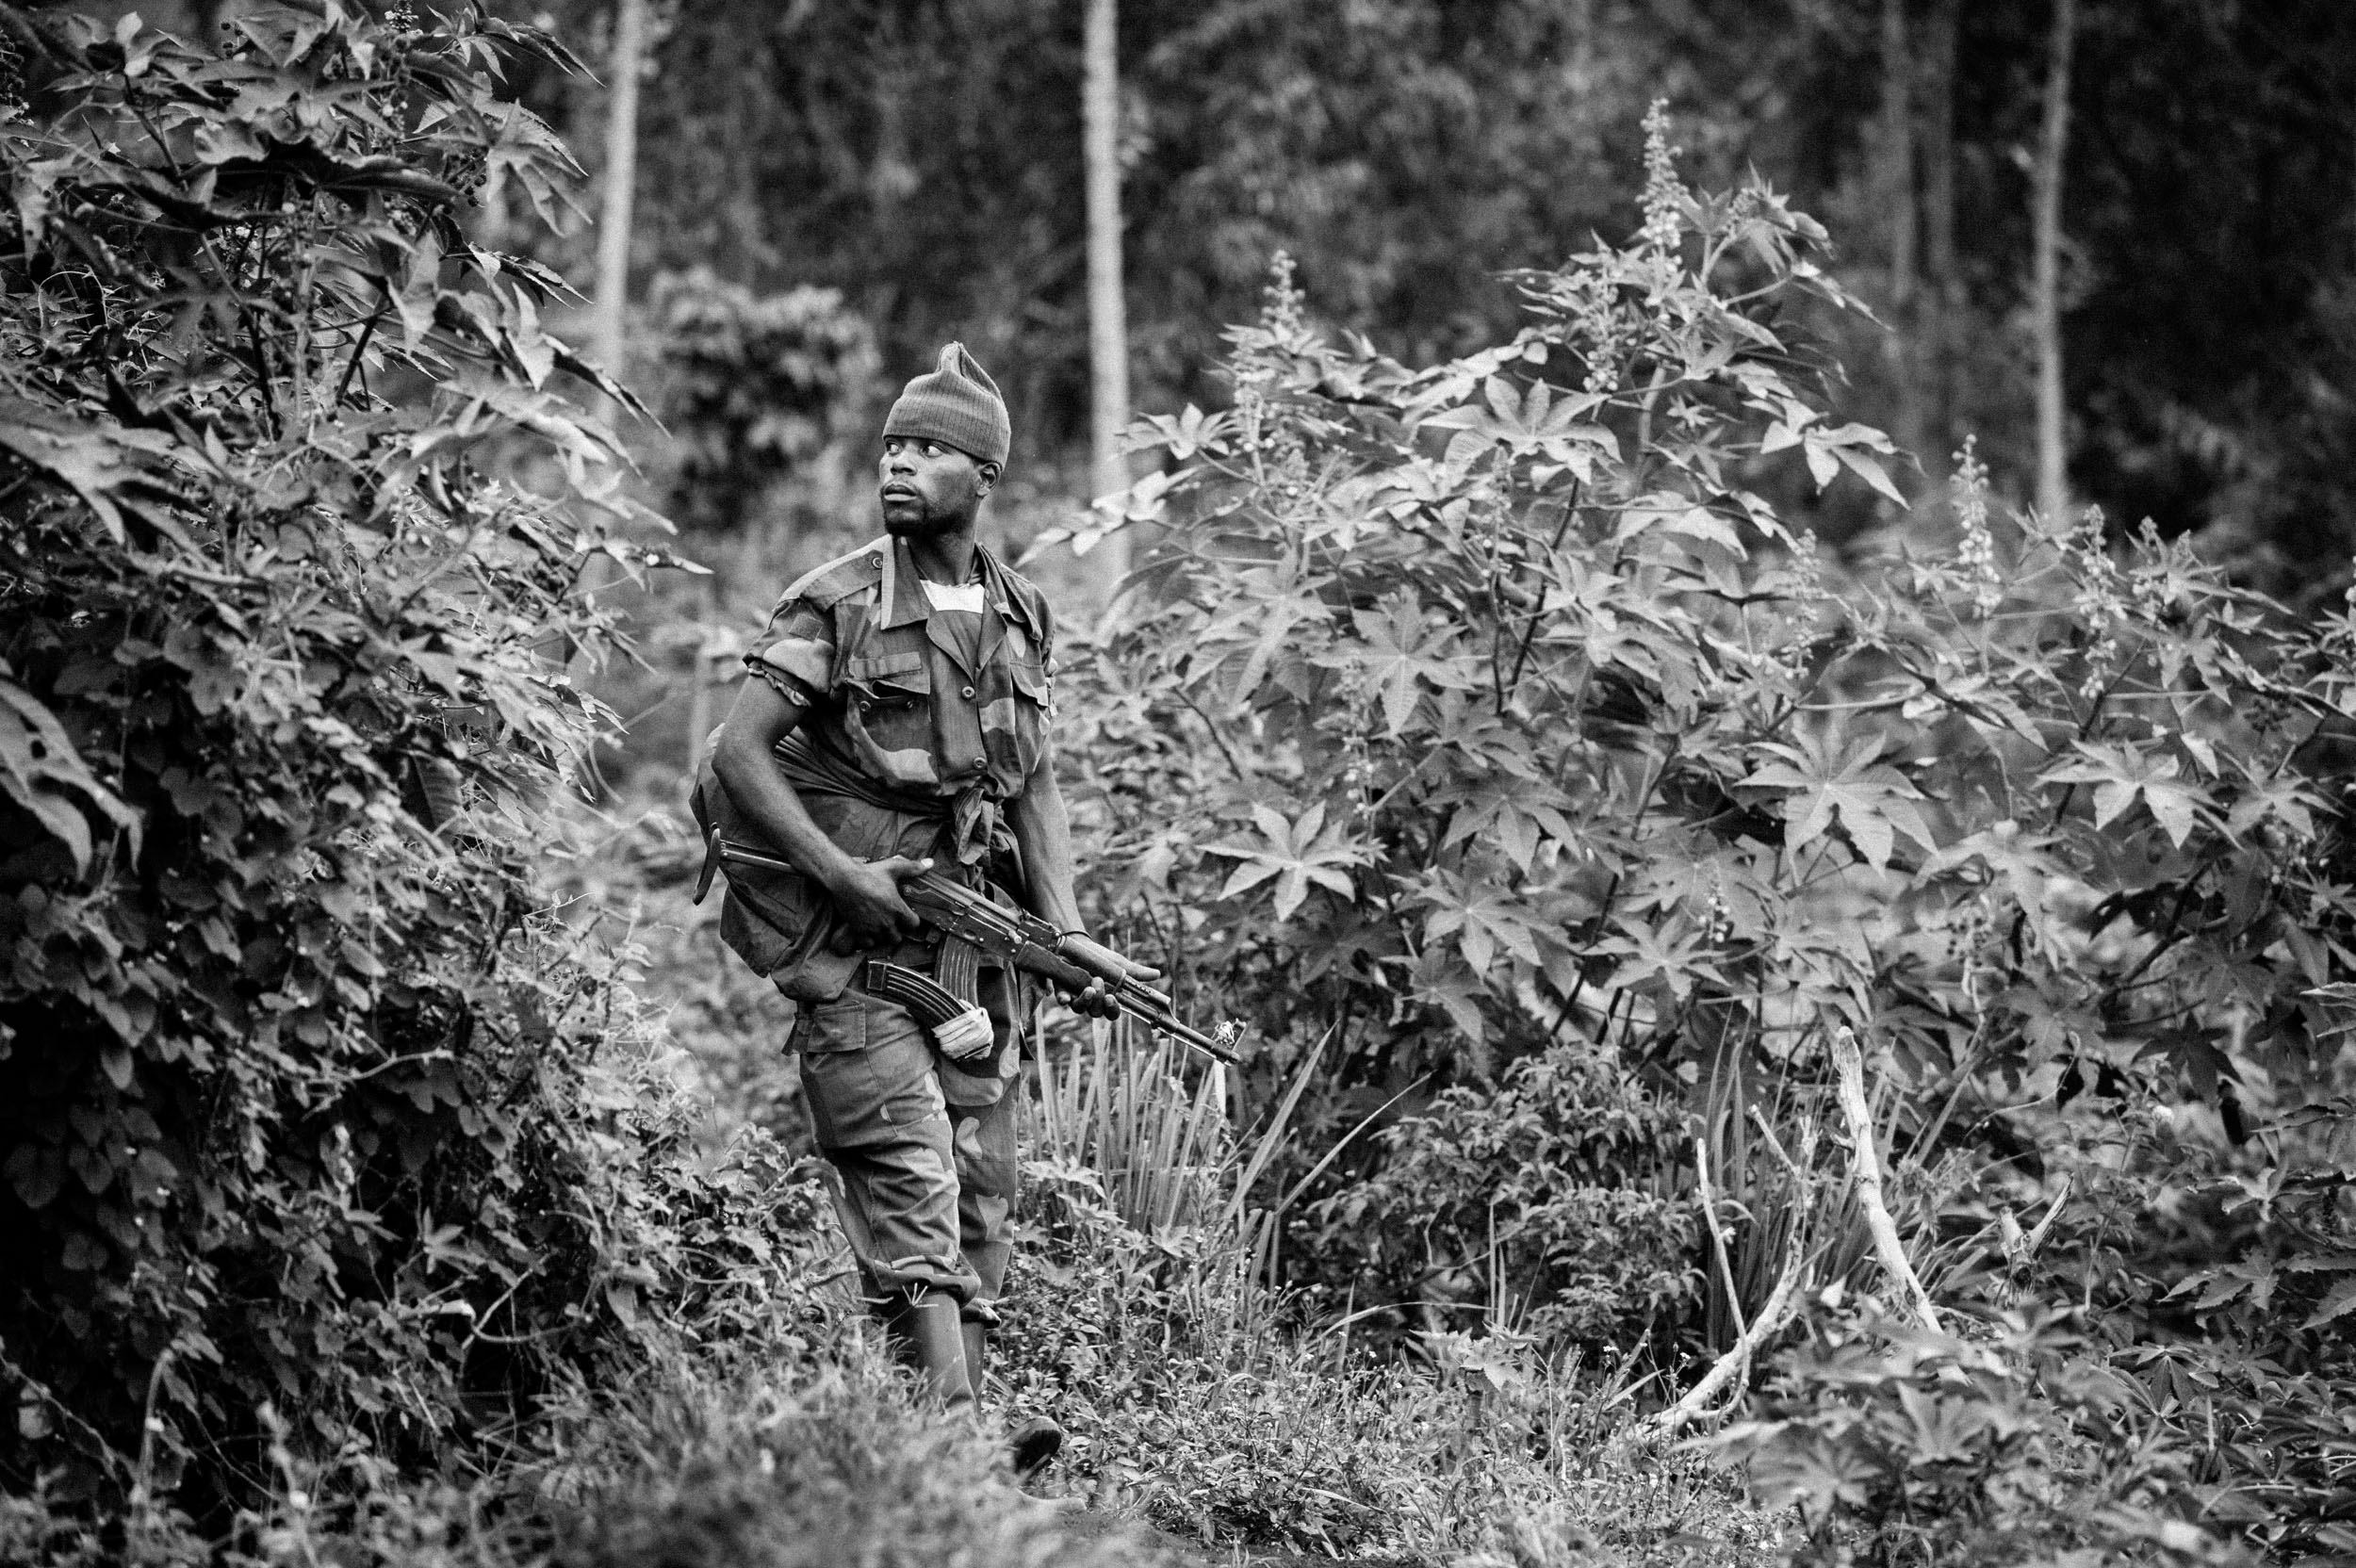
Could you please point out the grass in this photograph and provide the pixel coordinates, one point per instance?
(1136, 1315)
(839, 1469)
(694, 1464)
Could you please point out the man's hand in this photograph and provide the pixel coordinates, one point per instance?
(1096, 999)
(867, 896)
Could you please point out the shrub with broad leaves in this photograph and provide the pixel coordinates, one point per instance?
(2012, 1445)
(1544, 1190)
(313, 1126)
(758, 385)
(1480, 711)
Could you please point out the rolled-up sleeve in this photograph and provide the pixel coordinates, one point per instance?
(796, 652)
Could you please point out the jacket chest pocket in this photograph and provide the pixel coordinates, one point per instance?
(889, 697)
(1031, 678)
(1032, 704)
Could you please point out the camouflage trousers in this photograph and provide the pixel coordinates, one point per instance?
(925, 1185)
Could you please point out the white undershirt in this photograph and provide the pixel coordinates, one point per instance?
(966, 596)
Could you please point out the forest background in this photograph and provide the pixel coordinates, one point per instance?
(1722, 900)
(927, 163)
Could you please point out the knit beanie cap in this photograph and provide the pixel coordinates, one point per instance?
(957, 403)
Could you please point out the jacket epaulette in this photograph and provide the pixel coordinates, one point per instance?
(1028, 598)
(826, 585)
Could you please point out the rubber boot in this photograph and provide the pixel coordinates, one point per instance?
(1032, 1443)
(937, 1347)
(976, 1354)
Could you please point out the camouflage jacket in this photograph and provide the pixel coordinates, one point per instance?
(915, 730)
(893, 696)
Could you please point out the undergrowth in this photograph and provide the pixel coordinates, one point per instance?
(835, 1466)
(793, 1453)
(1201, 1404)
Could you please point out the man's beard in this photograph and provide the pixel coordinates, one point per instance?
(924, 521)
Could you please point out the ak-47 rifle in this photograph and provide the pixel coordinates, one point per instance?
(1014, 937)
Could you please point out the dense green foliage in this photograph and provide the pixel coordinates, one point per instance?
(1489, 711)
(2214, 1263)
(1546, 1187)
(1138, 1318)
(753, 389)
(316, 1124)
(2008, 1447)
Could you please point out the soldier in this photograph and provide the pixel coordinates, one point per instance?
(900, 722)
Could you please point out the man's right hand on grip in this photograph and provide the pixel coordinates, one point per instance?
(867, 897)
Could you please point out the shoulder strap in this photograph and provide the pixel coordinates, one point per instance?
(1022, 596)
(827, 585)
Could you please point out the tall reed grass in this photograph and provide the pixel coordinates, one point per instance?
(1154, 1332)
(1118, 1117)
(1762, 1205)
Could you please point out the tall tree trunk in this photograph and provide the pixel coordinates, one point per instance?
(1108, 328)
(2052, 476)
(1942, 303)
(1583, 29)
(621, 180)
(1898, 198)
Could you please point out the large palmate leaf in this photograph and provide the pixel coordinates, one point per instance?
(1298, 854)
(2122, 775)
(1403, 652)
(1851, 786)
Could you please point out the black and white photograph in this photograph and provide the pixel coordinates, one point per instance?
(1182, 783)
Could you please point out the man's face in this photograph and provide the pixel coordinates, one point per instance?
(930, 487)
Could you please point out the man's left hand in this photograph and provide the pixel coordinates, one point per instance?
(1096, 999)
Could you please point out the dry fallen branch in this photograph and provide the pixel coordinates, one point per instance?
(1717, 1232)
(1732, 1368)
(1868, 1165)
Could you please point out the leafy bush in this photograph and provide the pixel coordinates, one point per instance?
(1550, 1182)
(1434, 730)
(1229, 1428)
(1136, 1314)
(756, 386)
(1475, 709)
(2218, 1276)
(1482, 652)
(317, 1137)
(1900, 1445)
